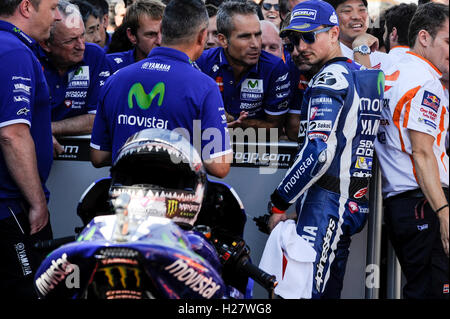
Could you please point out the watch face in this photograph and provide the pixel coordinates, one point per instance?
(363, 49)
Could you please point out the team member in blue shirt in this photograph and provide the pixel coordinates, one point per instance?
(25, 142)
(102, 7)
(254, 84)
(143, 21)
(166, 91)
(92, 23)
(75, 71)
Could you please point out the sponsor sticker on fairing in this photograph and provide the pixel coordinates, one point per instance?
(194, 278)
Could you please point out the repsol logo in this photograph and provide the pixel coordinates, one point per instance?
(204, 286)
(324, 256)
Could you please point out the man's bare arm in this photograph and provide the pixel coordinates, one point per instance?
(292, 126)
(100, 158)
(368, 40)
(271, 121)
(19, 153)
(427, 172)
(219, 166)
(77, 125)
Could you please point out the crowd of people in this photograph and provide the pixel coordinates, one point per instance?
(312, 70)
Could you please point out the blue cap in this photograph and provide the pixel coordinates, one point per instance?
(309, 15)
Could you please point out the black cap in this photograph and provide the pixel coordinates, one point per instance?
(336, 3)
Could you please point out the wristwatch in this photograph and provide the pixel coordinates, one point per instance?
(363, 49)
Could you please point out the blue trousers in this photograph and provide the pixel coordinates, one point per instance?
(327, 221)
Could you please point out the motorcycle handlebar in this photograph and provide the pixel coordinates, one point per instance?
(53, 243)
(269, 282)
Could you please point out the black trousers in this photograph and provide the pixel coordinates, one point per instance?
(414, 231)
(19, 260)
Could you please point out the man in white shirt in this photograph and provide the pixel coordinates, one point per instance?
(356, 43)
(413, 159)
(396, 24)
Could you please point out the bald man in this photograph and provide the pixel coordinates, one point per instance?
(271, 41)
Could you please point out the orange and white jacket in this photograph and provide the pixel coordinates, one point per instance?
(414, 99)
(397, 53)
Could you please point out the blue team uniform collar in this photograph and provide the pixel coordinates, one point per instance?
(25, 38)
(224, 62)
(107, 42)
(169, 52)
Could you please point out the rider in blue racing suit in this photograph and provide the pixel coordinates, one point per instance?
(340, 115)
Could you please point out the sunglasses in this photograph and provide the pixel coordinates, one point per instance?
(268, 6)
(307, 37)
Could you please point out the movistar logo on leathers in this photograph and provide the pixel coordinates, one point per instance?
(380, 83)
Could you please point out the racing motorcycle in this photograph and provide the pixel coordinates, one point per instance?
(157, 228)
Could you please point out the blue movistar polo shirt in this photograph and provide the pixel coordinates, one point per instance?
(76, 92)
(108, 41)
(162, 91)
(120, 60)
(23, 99)
(264, 89)
(299, 83)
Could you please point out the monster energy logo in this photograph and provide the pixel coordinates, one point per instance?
(143, 99)
(122, 270)
(17, 30)
(380, 83)
(172, 207)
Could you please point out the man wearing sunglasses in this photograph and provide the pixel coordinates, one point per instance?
(338, 124)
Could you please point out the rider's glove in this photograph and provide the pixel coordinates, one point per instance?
(262, 222)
